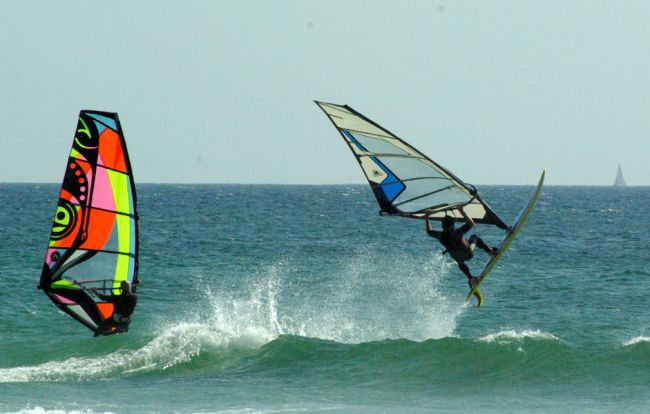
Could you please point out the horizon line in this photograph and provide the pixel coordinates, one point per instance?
(328, 184)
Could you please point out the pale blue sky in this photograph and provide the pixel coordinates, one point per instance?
(221, 91)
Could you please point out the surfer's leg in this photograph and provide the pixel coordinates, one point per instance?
(122, 327)
(480, 243)
(472, 242)
(104, 327)
(465, 269)
(113, 324)
(471, 280)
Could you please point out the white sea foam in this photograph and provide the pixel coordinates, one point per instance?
(176, 344)
(637, 340)
(512, 335)
(41, 410)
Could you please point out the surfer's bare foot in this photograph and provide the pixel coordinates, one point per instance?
(472, 281)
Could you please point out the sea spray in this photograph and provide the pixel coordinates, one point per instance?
(367, 298)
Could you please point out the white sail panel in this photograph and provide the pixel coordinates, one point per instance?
(405, 181)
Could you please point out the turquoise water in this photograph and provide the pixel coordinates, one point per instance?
(279, 299)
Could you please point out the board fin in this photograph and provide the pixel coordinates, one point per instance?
(479, 297)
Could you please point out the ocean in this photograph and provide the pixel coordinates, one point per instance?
(285, 299)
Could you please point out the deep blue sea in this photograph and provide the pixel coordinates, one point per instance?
(284, 299)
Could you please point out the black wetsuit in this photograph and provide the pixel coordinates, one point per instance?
(458, 247)
(124, 303)
(123, 307)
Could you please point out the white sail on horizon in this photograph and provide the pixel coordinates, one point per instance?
(620, 181)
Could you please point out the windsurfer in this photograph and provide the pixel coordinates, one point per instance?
(460, 248)
(124, 304)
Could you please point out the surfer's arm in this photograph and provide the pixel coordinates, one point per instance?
(469, 223)
(100, 295)
(467, 218)
(430, 231)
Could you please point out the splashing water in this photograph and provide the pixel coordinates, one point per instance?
(370, 299)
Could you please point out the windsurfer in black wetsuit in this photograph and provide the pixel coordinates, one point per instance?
(123, 304)
(460, 248)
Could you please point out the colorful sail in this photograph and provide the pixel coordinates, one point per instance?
(94, 238)
(406, 182)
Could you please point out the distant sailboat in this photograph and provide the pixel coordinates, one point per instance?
(620, 181)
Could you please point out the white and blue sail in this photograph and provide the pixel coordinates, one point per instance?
(406, 182)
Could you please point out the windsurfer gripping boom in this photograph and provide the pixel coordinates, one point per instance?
(124, 304)
(460, 248)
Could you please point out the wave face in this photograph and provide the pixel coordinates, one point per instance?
(497, 358)
(315, 304)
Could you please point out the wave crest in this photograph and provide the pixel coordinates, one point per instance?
(637, 340)
(517, 336)
(41, 410)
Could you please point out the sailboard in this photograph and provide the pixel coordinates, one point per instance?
(94, 237)
(406, 182)
(505, 243)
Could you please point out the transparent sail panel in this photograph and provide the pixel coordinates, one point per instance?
(405, 181)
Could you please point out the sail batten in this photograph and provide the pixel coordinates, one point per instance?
(412, 179)
(405, 181)
(94, 237)
(423, 196)
(388, 155)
